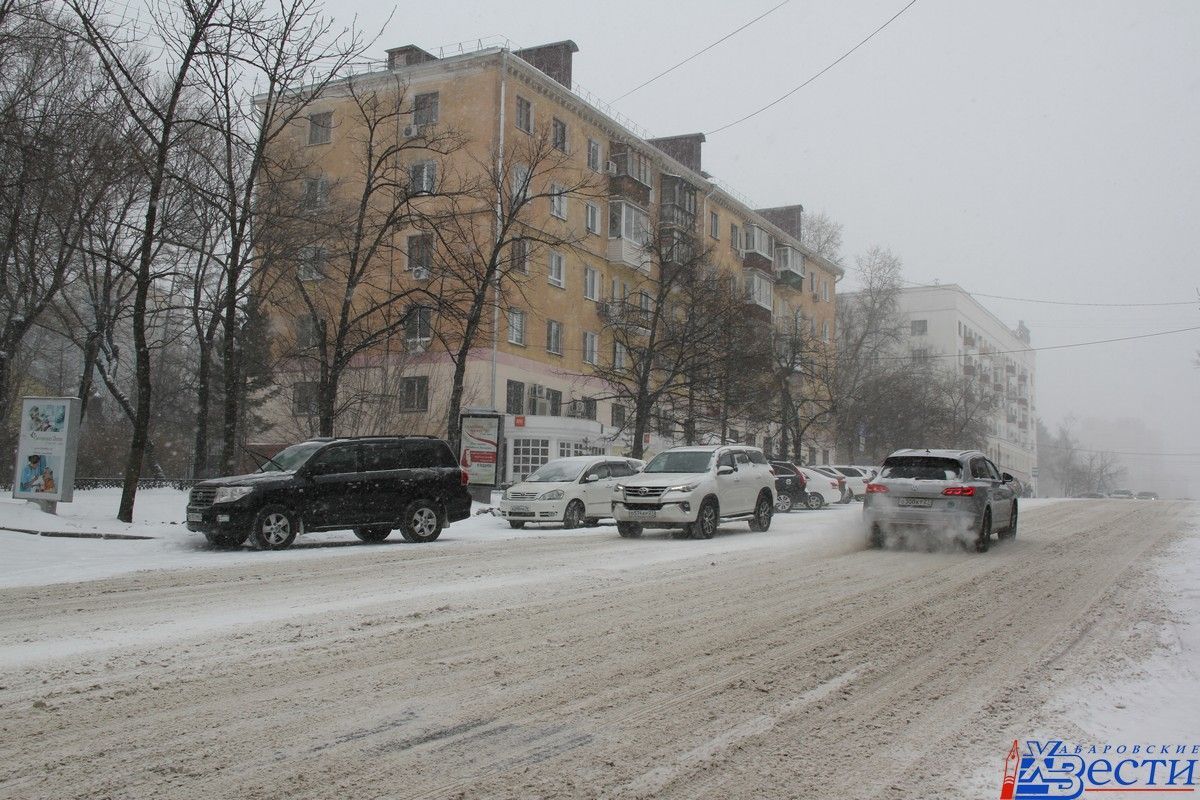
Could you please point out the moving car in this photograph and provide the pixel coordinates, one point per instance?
(789, 486)
(370, 484)
(820, 488)
(960, 492)
(570, 491)
(1147, 495)
(1121, 494)
(691, 489)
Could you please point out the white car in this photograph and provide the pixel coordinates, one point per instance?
(822, 490)
(856, 480)
(692, 489)
(570, 492)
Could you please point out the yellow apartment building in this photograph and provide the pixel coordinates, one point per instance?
(535, 356)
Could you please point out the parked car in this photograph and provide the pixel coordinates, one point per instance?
(820, 488)
(1091, 496)
(789, 486)
(1121, 494)
(1147, 495)
(570, 491)
(844, 494)
(961, 491)
(692, 489)
(856, 480)
(370, 485)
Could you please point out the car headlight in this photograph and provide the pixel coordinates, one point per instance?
(230, 494)
(554, 494)
(684, 487)
(619, 488)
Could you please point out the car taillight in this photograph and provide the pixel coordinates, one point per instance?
(959, 491)
(773, 472)
(876, 488)
(464, 477)
(833, 485)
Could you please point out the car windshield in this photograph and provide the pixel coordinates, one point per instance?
(555, 472)
(922, 468)
(680, 461)
(291, 458)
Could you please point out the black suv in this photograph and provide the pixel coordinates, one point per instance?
(370, 484)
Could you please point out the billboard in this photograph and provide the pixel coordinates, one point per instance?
(479, 435)
(46, 449)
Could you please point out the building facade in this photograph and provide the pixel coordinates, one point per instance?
(945, 320)
(536, 357)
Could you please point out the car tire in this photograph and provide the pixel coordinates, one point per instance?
(682, 533)
(1011, 531)
(783, 503)
(875, 538)
(629, 530)
(573, 516)
(373, 534)
(984, 540)
(707, 520)
(763, 509)
(227, 541)
(517, 523)
(421, 522)
(815, 500)
(275, 528)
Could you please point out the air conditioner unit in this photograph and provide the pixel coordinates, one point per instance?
(412, 131)
(610, 167)
(421, 274)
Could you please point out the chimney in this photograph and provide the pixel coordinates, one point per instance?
(408, 55)
(789, 219)
(553, 59)
(684, 148)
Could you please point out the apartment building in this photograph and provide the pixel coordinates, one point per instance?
(535, 359)
(945, 320)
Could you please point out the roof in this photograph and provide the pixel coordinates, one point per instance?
(956, 454)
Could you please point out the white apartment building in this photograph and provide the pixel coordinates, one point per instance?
(945, 320)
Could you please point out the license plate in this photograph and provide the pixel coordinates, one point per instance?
(520, 508)
(195, 517)
(642, 513)
(915, 502)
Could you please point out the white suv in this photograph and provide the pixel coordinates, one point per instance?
(570, 491)
(691, 489)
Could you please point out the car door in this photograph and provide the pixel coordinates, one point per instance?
(747, 486)
(336, 489)
(728, 486)
(985, 484)
(595, 487)
(1002, 495)
(383, 473)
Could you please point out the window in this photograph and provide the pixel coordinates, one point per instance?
(825, 331)
(558, 134)
(734, 436)
(618, 355)
(334, 461)
(520, 255)
(812, 455)
(320, 128)
(554, 337)
(554, 396)
(812, 282)
(593, 155)
(558, 201)
(382, 457)
(735, 240)
(414, 393)
(425, 109)
(516, 326)
(527, 456)
(312, 264)
(524, 114)
(418, 325)
(515, 397)
(634, 164)
(825, 291)
(824, 456)
(591, 284)
(714, 225)
(520, 185)
(420, 254)
(665, 426)
(759, 290)
(308, 332)
(304, 397)
(627, 221)
(557, 270)
(422, 177)
(750, 439)
(920, 327)
(591, 343)
(316, 193)
(589, 408)
(618, 415)
(592, 218)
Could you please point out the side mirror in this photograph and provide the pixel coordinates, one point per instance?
(1007, 478)
(725, 470)
(591, 477)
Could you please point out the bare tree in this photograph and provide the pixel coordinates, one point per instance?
(822, 235)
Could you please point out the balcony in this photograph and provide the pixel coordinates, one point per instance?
(678, 209)
(758, 249)
(629, 174)
(789, 266)
(759, 296)
(628, 235)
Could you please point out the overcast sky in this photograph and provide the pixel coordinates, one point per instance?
(1035, 149)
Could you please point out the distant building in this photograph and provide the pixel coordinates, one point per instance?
(946, 321)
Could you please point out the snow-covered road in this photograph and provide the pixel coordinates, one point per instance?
(792, 663)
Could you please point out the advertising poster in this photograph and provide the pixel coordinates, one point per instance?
(46, 449)
(480, 447)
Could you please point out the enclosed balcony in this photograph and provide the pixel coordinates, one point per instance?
(758, 249)
(678, 209)
(759, 296)
(628, 235)
(789, 266)
(629, 174)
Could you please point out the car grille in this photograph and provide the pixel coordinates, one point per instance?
(202, 496)
(523, 495)
(638, 492)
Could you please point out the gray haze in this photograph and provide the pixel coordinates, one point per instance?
(1041, 150)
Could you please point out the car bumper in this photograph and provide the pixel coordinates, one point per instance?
(672, 512)
(533, 510)
(954, 518)
(223, 518)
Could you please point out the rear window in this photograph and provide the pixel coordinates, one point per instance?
(783, 466)
(431, 453)
(756, 456)
(922, 468)
(849, 472)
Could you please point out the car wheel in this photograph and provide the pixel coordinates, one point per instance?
(630, 530)
(761, 520)
(875, 538)
(421, 522)
(705, 526)
(815, 500)
(1011, 531)
(984, 541)
(373, 534)
(573, 517)
(517, 523)
(275, 528)
(783, 503)
(226, 541)
(682, 533)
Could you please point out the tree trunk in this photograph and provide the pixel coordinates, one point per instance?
(233, 384)
(200, 442)
(91, 349)
(456, 394)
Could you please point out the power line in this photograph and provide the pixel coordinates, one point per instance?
(1074, 303)
(839, 60)
(932, 356)
(1116, 452)
(701, 52)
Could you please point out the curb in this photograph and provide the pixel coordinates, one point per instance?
(79, 535)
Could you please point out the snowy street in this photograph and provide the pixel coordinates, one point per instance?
(547, 663)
